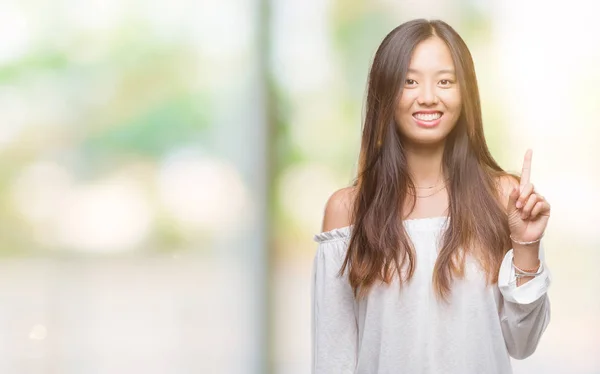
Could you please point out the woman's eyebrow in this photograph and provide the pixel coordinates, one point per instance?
(442, 71)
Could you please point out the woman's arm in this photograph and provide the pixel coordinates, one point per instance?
(334, 324)
(525, 310)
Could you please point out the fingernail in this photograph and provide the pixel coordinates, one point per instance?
(519, 204)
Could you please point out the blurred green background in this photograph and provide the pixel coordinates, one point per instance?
(164, 166)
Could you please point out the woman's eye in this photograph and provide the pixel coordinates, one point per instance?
(410, 82)
(445, 82)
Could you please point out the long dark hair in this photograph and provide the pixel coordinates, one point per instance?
(379, 246)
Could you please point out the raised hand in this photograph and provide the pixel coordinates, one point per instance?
(528, 211)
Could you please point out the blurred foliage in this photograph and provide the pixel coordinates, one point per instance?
(152, 132)
(118, 97)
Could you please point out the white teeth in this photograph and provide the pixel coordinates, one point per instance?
(427, 117)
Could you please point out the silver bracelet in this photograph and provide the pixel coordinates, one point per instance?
(526, 243)
(520, 273)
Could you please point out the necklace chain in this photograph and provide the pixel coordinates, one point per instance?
(430, 187)
(431, 194)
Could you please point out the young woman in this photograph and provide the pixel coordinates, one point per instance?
(431, 262)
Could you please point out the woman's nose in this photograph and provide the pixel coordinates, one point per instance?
(427, 96)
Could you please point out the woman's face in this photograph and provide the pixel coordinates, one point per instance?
(430, 103)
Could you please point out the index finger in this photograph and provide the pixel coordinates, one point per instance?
(526, 172)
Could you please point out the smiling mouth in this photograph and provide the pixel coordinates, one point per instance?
(427, 116)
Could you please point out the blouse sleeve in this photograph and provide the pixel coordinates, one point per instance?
(334, 323)
(525, 311)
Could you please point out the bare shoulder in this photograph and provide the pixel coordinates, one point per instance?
(338, 209)
(505, 184)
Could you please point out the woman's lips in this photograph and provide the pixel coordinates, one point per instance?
(427, 123)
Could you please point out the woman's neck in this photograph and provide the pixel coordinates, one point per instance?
(425, 165)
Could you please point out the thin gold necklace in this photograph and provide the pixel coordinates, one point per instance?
(431, 194)
(444, 181)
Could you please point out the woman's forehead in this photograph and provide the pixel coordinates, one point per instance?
(431, 56)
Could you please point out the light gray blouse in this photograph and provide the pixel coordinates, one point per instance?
(409, 331)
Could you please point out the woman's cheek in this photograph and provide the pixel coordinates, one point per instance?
(452, 98)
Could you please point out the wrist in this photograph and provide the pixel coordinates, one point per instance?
(526, 256)
(526, 242)
(526, 264)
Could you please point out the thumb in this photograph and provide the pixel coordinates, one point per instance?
(512, 200)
